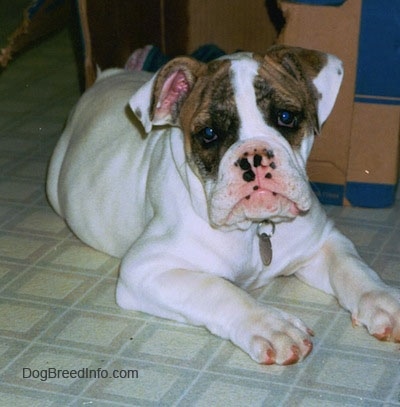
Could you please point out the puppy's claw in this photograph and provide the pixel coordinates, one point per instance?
(294, 358)
(271, 357)
(310, 332)
(385, 335)
(354, 322)
(309, 346)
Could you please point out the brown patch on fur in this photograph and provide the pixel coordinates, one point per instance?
(285, 83)
(210, 104)
(308, 61)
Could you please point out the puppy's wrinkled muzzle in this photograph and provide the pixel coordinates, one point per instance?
(258, 181)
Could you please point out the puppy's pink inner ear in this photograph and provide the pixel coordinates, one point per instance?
(174, 88)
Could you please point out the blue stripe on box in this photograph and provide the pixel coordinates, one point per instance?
(378, 72)
(329, 194)
(357, 193)
(370, 195)
(377, 100)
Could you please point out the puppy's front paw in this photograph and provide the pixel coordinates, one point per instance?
(379, 312)
(271, 336)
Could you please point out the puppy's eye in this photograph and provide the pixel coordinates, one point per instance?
(286, 118)
(208, 136)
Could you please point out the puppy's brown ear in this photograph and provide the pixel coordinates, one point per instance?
(324, 71)
(158, 102)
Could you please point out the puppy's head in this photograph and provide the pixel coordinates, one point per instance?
(249, 123)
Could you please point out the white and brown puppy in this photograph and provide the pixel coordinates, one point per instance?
(203, 193)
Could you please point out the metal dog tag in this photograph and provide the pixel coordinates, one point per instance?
(265, 249)
(265, 242)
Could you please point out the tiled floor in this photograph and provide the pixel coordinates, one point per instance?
(57, 308)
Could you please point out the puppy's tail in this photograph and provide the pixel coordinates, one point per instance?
(107, 72)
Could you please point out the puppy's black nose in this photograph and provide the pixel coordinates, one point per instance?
(250, 162)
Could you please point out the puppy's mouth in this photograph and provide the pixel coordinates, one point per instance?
(259, 205)
(259, 185)
(261, 200)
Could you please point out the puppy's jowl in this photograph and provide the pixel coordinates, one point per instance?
(196, 178)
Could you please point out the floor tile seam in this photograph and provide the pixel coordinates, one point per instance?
(304, 307)
(27, 233)
(375, 251)
(237, 376)
(38, 391)
(394, 394)
(202, 371)
(143, 321)
(61, 392)
(3, 291)
(54, 269)
(335, 393)
(34, 264)
(81, 309)
(85, 401)
(367, 352)
(108, 314)
(390, 236)
(116, 356)
(22, 341)
(340, 221)
(5, 296)
(51, 346)
(58, 242)
(21, 210)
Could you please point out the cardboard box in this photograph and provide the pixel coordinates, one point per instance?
(356, 159)
(113, 29)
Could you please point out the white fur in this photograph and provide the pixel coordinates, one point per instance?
(328, 84)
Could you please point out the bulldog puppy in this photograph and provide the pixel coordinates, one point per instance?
(199, 185)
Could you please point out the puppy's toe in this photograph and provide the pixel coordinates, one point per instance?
(291, 348)
(262, 351)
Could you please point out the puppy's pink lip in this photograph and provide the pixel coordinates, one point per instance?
(270, 197)
(294, 209)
